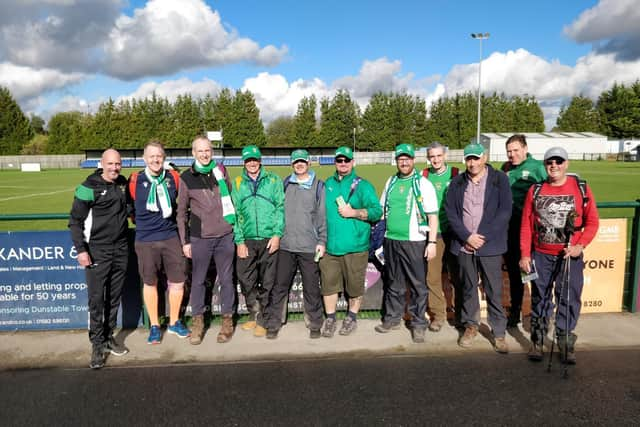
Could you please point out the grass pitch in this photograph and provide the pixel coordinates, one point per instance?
(51, 191)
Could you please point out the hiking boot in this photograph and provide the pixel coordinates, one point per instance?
(385, 327)
(155, 335)
(417, 335)
(567, 348)
(179, 329)
(314, 334)
(436, 325)
(197, 329)
(226, 331)
(536, 352)
(348, 326)
(500, 345)
(111, 346)
(272, 334)
(97, 357)
(259, 331)
(466, 340)
(251, 323)
(329, 327)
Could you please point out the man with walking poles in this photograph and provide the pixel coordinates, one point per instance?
(559, 219)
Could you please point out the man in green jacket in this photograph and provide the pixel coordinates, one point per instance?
(352, 205)
(523, 171)
(258, 198)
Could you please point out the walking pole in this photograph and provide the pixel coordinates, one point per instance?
(548, 301)
(569, 229)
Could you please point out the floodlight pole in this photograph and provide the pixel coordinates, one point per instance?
(479, 36)
(354, 140)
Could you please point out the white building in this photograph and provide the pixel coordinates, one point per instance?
(579, 145)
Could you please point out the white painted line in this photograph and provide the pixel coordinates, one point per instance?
(26, 196)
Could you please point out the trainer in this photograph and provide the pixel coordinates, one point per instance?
(98, 224)
(559, 220)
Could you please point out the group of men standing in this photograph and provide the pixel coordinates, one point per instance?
(465, 221)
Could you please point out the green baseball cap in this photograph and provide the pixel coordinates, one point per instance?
(406, 150)
(299, 154)
(473, 150)
(251, 152)
(345, 152)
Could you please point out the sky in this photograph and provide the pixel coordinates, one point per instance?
(62, 55)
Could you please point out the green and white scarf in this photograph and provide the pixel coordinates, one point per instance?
(159, 192)
(228, 211)
(417, 194)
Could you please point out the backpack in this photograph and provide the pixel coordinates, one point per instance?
(454, 172)
(582, 186)
(319, 186)
(133, 180)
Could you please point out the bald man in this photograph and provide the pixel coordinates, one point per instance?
(98, 225)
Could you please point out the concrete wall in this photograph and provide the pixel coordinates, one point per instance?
(57, 161)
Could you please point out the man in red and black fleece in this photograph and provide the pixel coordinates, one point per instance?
(559, 220)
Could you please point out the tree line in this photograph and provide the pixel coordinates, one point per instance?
(389, 118)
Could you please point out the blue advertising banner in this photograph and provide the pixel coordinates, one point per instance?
(43, 287)
(41, 284)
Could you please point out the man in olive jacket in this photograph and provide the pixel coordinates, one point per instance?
(258, 198)
(352, 204)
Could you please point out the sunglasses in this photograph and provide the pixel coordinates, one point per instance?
(554, 161)
(343, 160)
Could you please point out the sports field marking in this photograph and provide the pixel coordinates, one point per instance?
(14, 186)
(26, 196)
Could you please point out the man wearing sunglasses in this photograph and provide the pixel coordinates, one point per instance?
(558, 222)
(351, 204)
(523, 171)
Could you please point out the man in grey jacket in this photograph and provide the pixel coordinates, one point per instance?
(301, 246)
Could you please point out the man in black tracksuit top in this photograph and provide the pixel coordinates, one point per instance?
(98, 226)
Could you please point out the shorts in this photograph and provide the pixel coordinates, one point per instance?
(163, 255)
(344, 273)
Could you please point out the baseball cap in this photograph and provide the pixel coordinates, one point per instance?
(299, 154)
(556, 152)
(473, 150)
(405, 149)
(251, 152)
(344, 151)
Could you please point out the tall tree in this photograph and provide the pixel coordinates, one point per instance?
(15, 128)
(376, 126)
(619, 110)
(339, 117)
(305, 133)
(186, 123)
(247, 127)
(280, 132)
(37, 124)
(67, 133)
(580, 115)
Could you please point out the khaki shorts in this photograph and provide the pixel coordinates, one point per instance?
(164, 255)
(344, 273)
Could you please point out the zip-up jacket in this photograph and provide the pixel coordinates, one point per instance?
(521, 177)
(496, 213)
(99, 212)
(200, 206)
(306, 224)
(259, 206)
(350, 235)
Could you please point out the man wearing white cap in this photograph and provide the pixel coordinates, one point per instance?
(559, 220)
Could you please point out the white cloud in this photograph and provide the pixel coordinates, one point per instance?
(63, 35)
(26, 83)
(170, 89)
(612, 25)
(166, 36)
(276, 97)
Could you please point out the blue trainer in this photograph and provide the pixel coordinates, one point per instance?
(179, 329)
(155, 335)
